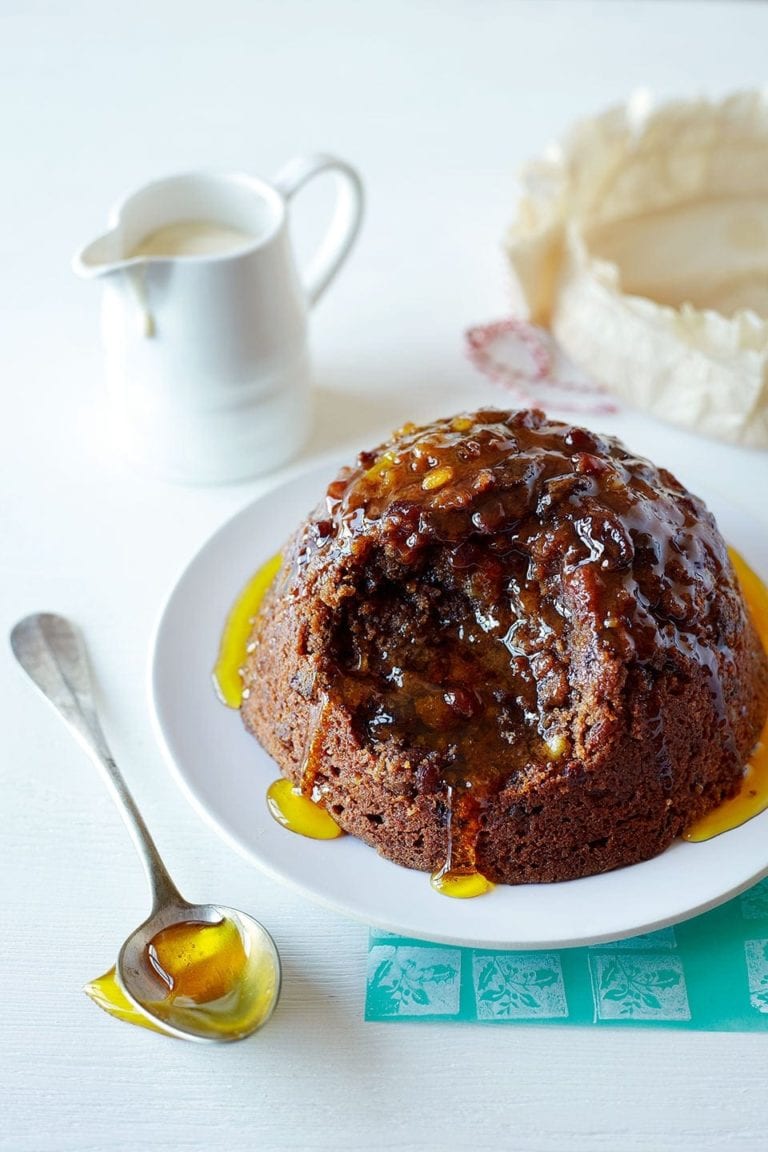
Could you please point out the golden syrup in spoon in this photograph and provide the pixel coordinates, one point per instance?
(234, 641)
(752, 797)
(198, 962)
(212, 975)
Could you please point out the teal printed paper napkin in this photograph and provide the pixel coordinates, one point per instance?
(709, 973)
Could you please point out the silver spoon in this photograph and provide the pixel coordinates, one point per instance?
(51, 650)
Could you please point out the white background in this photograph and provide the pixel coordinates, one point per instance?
(438, 104)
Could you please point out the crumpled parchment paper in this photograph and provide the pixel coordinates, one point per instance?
(642, 243)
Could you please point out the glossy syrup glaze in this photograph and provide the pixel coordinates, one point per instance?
(527, 528)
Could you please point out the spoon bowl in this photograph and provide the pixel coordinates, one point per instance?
(232, 992)
(198, 971)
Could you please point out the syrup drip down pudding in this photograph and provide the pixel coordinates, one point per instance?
(507, 646)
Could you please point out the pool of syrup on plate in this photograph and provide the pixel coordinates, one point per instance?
(752, 797)
(294, 809)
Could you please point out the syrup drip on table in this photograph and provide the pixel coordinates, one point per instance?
(211, 974)
(107, 993)
(752, 797)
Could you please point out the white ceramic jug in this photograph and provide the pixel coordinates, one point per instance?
(208, 368)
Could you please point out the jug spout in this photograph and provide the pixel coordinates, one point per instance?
(101, 257)
(104, 256)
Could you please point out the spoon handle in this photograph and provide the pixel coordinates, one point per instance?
(51, 651)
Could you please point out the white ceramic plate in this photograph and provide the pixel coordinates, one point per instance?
(225, 774)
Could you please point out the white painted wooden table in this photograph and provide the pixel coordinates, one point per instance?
(438, 103)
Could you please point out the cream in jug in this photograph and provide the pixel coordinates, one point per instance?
(193, 238)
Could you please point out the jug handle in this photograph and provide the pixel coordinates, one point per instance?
(345, 222)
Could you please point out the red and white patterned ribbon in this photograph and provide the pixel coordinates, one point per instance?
(528, 362)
